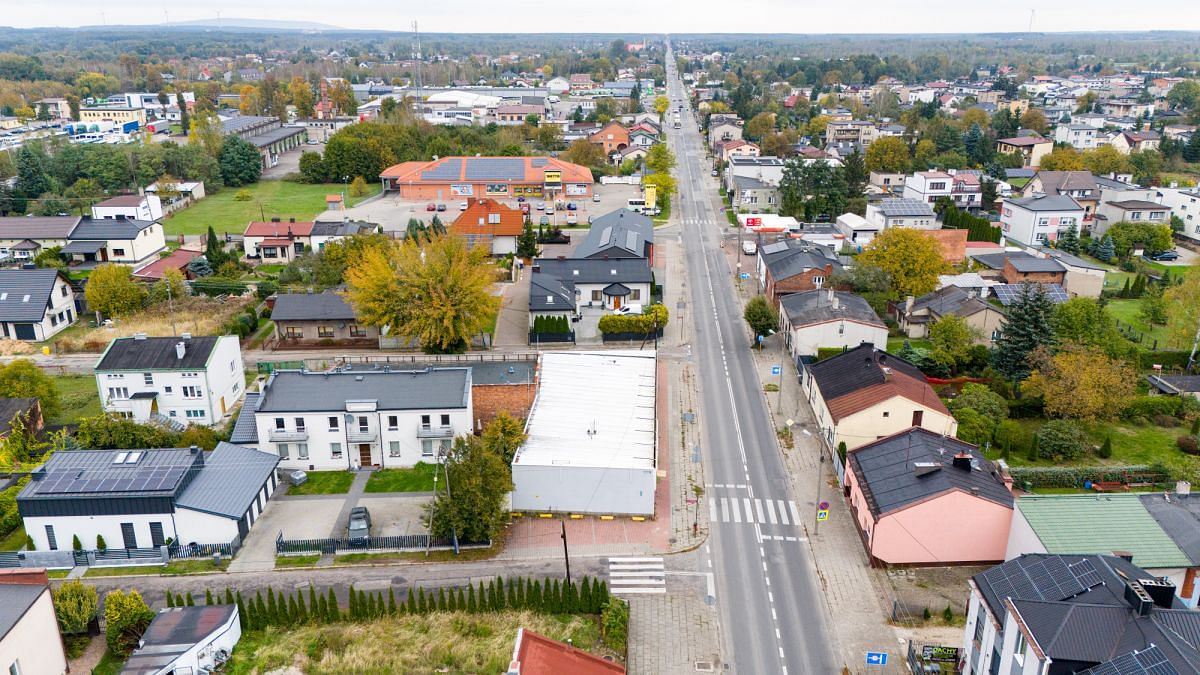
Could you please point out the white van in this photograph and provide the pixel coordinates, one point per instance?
(749, 247)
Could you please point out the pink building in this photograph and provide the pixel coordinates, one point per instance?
(920, 498)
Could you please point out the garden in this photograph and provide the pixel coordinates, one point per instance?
(230, 210)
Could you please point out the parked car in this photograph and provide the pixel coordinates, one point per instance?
(544, 220)
(520, 199)
(431, 207)
(525, 208)
(441, 207)
(628, 309)
(590, 219)
(749, 247)
(1162, 256)
(715, 172)
(595, 198)
(541, 206)
(358, 529)
(571, 206)
(572, 218)
(462, 206)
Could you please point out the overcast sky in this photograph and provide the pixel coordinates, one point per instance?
(740, 16)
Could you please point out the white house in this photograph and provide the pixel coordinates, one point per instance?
(1079, 136)
(129, 242)
(927, 186)
(129, 207)
(143, 498)
(594, 282)
(1131, 210)
(348, 419)
(35, 304)
(186, 640)
(856, 229)
(1039, 220)
(185, 380)
(29, 638)
(766, 169)
(1185, 205)
(825, 319)
(901, 212)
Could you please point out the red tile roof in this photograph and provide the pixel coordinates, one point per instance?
(178, 260)
(411, 172)
(259, 228)
(474, 220)
(539, 655)
(898, 384)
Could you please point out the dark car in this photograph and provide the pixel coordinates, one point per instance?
(1162, 256)
(571, 206)
(441, 207)
(358, 529)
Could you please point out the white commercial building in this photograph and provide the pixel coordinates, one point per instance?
(591, 443)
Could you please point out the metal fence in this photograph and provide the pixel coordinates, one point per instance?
(176, 551)
(115, 557)
(407, 542)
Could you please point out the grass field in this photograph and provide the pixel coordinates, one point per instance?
(440, 642)
(14, 540)
(198, 315)
(109, 664)
(324, 483)
(1126, 311)
(77, 397)
(1131, 444)
(270, 199)
(894, 344)
(417, 479)
(174, 568)
(284, 562)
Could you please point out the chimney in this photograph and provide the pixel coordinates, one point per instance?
(1137, 597)
(186, 336)
(1161, 591)
(962, 460)
(139, 336)
(24, 576)
(833, 300)
(194, 449)
(908, 304)
(1183, 488)
(1005, 475)
(291, 220)
(925, 468)
(274, 219)
(180, 349)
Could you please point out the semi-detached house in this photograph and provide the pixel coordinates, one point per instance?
(349, 419)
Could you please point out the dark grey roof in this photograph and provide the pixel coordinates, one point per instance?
(10, 408)
(311, 307)
(157, 353)
(105, 229)
(548, 293)
(15, 601)
(25, 294)
(1069, 259)
(1139, 204)
(342, 228)
(245, 430)
(905, 207)
(617, 289)
(84, 246)
(812, 307)
(486, 373)
(1149, 661)
(172, 633)
(1175, 384)
(597, 270)
(948, 300)
(297, 391)
(1110, 184)
(856, 369)
(1035, 264)
(230, 480)
(787, 258)
(1046, 203)
(269, 136)
(996, 260)
(621, 233)
(89, 474)
(44, 227)
(1061, 181)
(1179, 517)
(897, 471)
(1018, 173)
(751, 183)
(241, 122)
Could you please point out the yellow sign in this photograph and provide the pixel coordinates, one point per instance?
(553, 177)
(651, 195)
(823, 515)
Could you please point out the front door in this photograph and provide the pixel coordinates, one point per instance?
(364, 454)
(616, 302)
(128, 535)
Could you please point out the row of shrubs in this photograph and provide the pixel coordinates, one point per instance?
(642, 324)
(244, 324)
(557, 325)
(1074, 477)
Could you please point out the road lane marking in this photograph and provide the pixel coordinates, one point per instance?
(771, 510)
(733, 506)
(783, 516)
(712, 510)
(724, 509)
(795, 515)
(749, 511)
(758, 507)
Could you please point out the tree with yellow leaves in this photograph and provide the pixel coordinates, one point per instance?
(1183, 313)
(435, 292)
(912, 259)
(1082, 383)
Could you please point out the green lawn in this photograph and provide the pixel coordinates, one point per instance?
(417, 479)
(1126, 311)
(324, 483)
(283, 562)
(174, 568)
(77, 398)
(270, 199)
(14, 540)
(109, 665)
(1131, 444)
(894, 344)
(58, 574)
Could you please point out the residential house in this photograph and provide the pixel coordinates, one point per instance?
(765, 169)
(861, 132)
(644, 135)
(515, 115)
(828, 319)
(177, 260)
(186, 640)
(129, 207)
(899, 212)
(1078, 136)
(491, 224)
(619, 234)
(581, 82)
(319, 319)
(22, 237)
(916, 315)
(1184, 204)
(1175, 385)
(1132, 210)
(865, 394)
(793, 266)
(737, 148)
(611, 137)
(28, 410)
(1031, 148)
(1093, 614)
(181, 194)
(1078, 185)
(59, 108)
(722, 128)
(1035, 221)
(634, 153)
(535, 654)
(348, 419)
(326, 231)
(753, 195)
(1179, 517)
(142, 498)
(888, 183)
(558, 86)
(185, 380)
(1136, 141)
(595, 283)
(30, 642)
(1020, 269)
(856, 229)
(128, 242)
(922, 498)
(277, 241)
(35, 304)
(962, 189)
(1065, 524)
(1082, 278)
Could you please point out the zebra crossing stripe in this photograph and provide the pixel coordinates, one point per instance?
(637, 575)
(749, 513)
(771, 510)
(733, 506)
(795, 515)
(712, 510)
(758, 506)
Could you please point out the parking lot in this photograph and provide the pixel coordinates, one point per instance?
(297, 518)
(393, 516)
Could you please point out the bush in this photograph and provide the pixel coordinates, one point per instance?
(101, 545)
(75, 606)
(1167, 421)
(243, 196)
(1061, 439)
(614, 623)
(126, 617)
(1152, 406)
(76, 545)
(266, 289)
(1074, 477)
(1189, 444)
(1105, 450)
(556, 325)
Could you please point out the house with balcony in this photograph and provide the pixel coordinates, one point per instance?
(319, 318)
(1078, 185)
(861, 132)
(1078, 136)
(722, 128)
(125, 240)
(174, 381)
(348, 419)
(277, 241)
(1036, 221)
(962, 189)
(1184, 204)
(766, 169)
(1131, 210)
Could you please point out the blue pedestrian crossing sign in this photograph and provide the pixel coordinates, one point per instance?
(775, 370)
(876, 658)
(823, 515)
(744, 275)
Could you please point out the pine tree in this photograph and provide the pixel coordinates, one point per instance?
(293, 612)
(1033, 453)
(179, 600)
(553, 599)
(521, 594)
(371, 608)
(170, 599)
(471, 606)
(585, 596)
(322, 609)
(312, 600)
(214, 250)
(272, 608)
(260, 611)
(1107, 249)
(352, 605)
(391, 606)
(1070, 241)
(422, 607)
(535, 596)
(1105, 450)
(485, 602)
(208, 598)
(452, 600)
(302, 618)
(511, 601)
(1124, 289)
(191, 602)
(601, 598)
(441, 603)
(361, 603)
(412, 602)
(462, 600)
(335, 613)
(1027, 327)
(242, 618)
(228, 596)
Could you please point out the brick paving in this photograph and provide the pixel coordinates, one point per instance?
(672, 634)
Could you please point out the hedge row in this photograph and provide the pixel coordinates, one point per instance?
(551, 324)
(642, 324)
(10, 518)
(1074, 477)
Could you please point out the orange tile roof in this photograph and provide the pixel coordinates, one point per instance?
(410, 172)
(178, 260)
(259, 228)
(899, 384)
(539, 655)
(474, 220)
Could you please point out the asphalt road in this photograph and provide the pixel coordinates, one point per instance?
(773, 620)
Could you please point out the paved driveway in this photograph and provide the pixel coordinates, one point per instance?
(392, 516)
(297, 517)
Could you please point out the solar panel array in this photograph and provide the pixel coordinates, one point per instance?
(447, 170)
(110, 480)
(539, 162)
(775, 248)
(1009, 294)
(1046, 579)
(905, 207)
(605, 236)
(495, 168)
(1149, 661)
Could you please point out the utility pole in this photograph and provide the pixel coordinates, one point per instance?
(566, 556)
(171, 306)
(449, 498)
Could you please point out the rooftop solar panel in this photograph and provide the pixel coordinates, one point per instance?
(1149, 661)
(495, 168)
(447, 170)
(539, 162)
(1009, 294)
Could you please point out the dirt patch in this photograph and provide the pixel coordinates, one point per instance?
(197, 315)
(916, 589)
(14, 347)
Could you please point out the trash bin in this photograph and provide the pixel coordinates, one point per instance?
(1027, 486)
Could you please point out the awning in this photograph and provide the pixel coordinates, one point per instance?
(144, 395)
(616, 290)
(83, 247)
(26, 245)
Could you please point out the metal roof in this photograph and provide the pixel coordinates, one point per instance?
(905, 207)
(88, 474)
(617, 233)
(549, 293)
(25, 294)
(41, 228)
(1179, 517)
(311, 307)
(229, 482)
(157, 353)
(430, 389)
(245, 430)
(89, 246)
(173, 632)
(1046, 203)
(109, 228)
(596, 270)
(813, 307)
(1035, 264)
(15, 601)
(1067, 524)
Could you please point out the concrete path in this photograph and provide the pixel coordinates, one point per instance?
(512, 326)
(357, 488)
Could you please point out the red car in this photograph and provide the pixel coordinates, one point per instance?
(431, 207)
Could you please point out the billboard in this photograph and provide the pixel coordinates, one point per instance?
(553, 177)
(577, 189)
(496, 188)
(462, 189)
(651, 196)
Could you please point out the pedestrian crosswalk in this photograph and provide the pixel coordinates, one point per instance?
(636, 575)
(747, 510)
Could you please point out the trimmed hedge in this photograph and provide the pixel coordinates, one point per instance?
(641, 324)
(551, 324)
(1153, 406)
(1073, 477)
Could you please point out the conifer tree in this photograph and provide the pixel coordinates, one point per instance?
(170, 599)
(302, 616)
(272, 614)
(471, 606)
(179, 600)
(462, 600)
(208, 598)
(511, 601)
(260, 611)
(335, 613)
(322, 609)
(534, 601)
(521, 593)
(585, 596)
(293, 610)
(1029, 325)
(312, 600)
(371, 608)
(391, 606)
(485, 603)
(228, 596)
(412, 602)
(242, 620)
(362, 604)
(422, 606)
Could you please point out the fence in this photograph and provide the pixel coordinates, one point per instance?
(115, 557)
(422, 360)
(407, 542)
(538, 338)
(176, 551)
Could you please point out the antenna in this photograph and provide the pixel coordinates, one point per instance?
(1032, 13)
(417, 54)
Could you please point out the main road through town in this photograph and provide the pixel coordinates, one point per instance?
(773, 620)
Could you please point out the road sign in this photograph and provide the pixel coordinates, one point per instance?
(744, 275)
(776, 370)
(876, 658)
(822, 515)
(823, 506)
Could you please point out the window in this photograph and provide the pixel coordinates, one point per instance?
(325, 331)
(333, 423)
(364, 424)
(980, 618)
(886, 413)
(283, 450)
(1020, 648)
(299, 424)
(280, 424)
(196, 414)
(64, 291)
(335, 450)
(918, 417)
(425, 421)
(427, 448)
(294, 332)
(357, 331)
(635, 294)
(148, 378)
(233, 366)
(118, 252)
(191, 391)
(818, 280)
(50, 539)
(118, 393)
(445, 420)
(302, 450)
(393, 422)
(393, 448)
